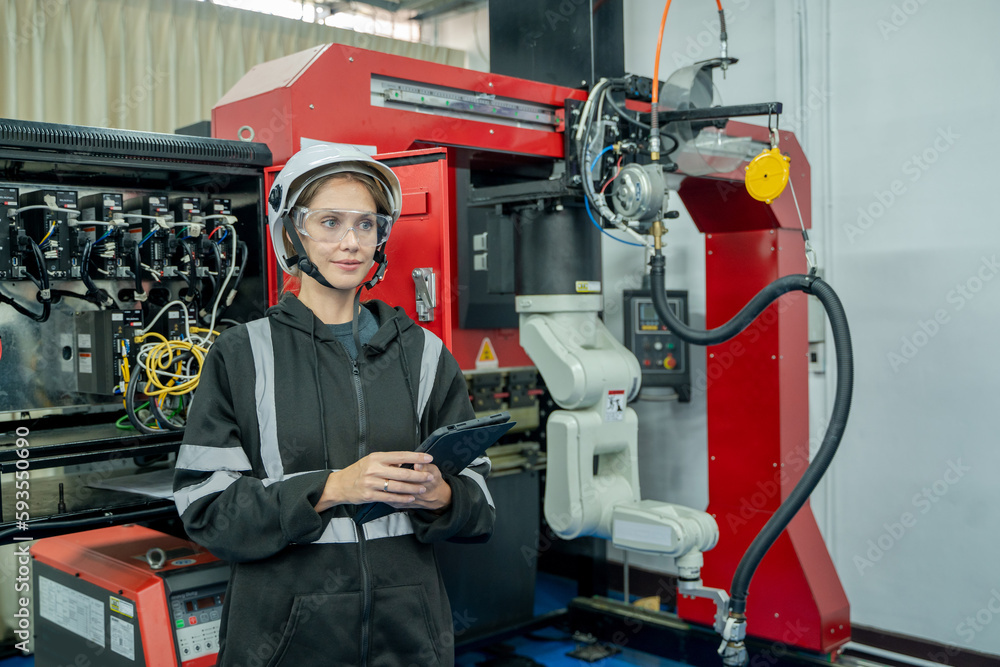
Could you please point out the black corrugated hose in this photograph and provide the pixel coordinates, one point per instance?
(810, 284)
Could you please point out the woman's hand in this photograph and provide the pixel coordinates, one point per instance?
(378, 477)
(438, 494)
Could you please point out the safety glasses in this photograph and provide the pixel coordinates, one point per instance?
(328, 225)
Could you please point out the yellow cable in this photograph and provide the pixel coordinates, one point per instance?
(142, 337)
(212, 331)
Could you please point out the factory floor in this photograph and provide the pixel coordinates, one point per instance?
(549, 646)
(544, 647)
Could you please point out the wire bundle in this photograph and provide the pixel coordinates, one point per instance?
(167, 371)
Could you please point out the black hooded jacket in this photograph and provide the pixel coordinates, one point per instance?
(279, 405)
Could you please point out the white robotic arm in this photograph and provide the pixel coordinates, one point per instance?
(592, 376)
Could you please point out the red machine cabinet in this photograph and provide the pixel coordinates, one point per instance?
(758, 383)
(104, 573)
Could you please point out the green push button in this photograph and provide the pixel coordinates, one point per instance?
(670, 346)
(180, 622)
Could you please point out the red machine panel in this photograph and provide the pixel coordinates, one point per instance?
(325, 93)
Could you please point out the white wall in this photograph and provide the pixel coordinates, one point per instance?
(467, 30)
(923, 89)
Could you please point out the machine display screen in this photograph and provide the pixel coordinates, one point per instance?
(203, 603)
(648, 320)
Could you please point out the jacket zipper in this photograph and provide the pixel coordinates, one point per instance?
(366, 592)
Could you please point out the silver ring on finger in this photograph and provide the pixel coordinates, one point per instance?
(385, 487)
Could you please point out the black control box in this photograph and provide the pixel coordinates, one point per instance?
(99, 210)
(663, 357)
(8, 231)
(153, 240)
(51, 230)
(105, 343)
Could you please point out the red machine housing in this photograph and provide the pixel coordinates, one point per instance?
(108, 566)
(757, 384)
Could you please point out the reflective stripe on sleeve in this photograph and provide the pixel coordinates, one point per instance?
(271, 480)
(482, 461)
(208, 459)
(216, 483)
(481, 481)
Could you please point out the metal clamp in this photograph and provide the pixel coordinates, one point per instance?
(424, 284)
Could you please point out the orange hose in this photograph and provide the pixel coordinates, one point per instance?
(659, 45)
(719, 3)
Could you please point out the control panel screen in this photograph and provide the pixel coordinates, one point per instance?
(205, 603)
(648, 320)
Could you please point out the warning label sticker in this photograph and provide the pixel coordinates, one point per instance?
(72, 610)
(487, 357)
(123, 607)
(123, 638)
(614, 406)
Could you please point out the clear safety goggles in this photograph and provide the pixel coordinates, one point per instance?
(328, 225)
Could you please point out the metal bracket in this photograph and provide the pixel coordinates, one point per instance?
(716, 595)
(424, 284)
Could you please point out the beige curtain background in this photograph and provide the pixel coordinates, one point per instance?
(152, 65)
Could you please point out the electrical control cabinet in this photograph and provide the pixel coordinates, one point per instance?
(663, 357)
(78, 263)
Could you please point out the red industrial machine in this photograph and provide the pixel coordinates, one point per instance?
(126, 595)
(442, 128)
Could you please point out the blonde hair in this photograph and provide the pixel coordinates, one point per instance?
(309, 193)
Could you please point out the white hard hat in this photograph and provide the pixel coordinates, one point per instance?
(313, 163)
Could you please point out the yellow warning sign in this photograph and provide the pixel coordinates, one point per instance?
(487, 357)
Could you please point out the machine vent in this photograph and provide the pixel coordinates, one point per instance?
(149, 145)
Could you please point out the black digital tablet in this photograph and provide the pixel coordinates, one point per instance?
(453, 447)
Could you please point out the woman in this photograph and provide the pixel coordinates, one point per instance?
(307, 414)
